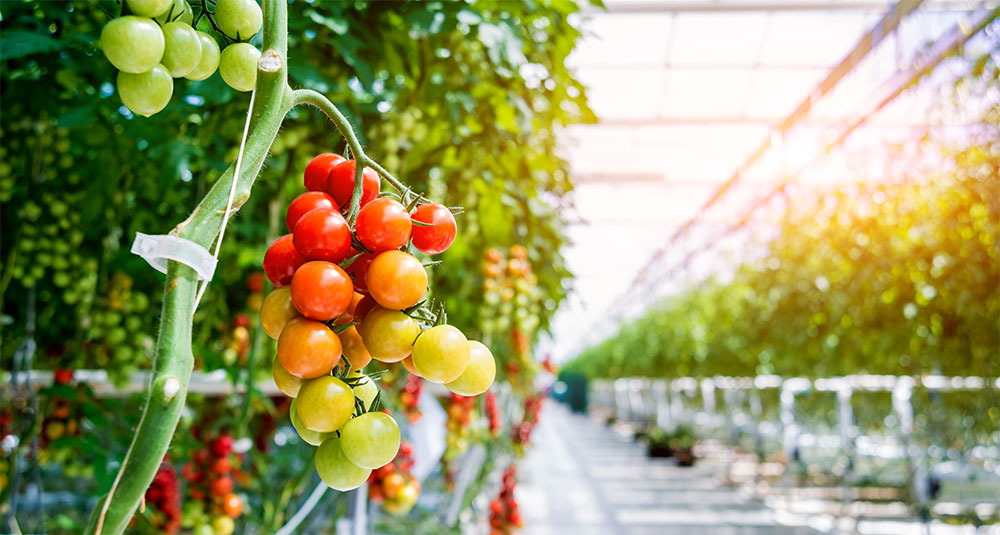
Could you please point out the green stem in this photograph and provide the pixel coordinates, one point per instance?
(173, 361)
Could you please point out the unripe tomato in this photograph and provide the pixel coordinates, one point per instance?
(441, 354)
(276, 310)
(478, 375)
(388, 334)
(335, 469)
(287, 383)
(354, 348)
(340, 183)
(371, 440)
(321, 290)
(182, 48)
(396, 280)
(358, 270)
(223, 525)
(239, 19)
(311, 437)
(232, 505)
(365, 389)
(325, 404)
(383, 224)
(308, 348)
(132, 44)
(281, 260)
(238, 66)
(437, 237)
(149, 8)
(180, 10)
(319, 169)
(146, 93)
(322, 234)
(209, 60)
(305, 203)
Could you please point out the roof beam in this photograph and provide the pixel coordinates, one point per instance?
(714, 6)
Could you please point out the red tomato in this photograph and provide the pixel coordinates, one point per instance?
(281, 260)
(222, 486)
(321, 290)
(358, 270)
(319, 168)
(221, 466)
(305, 203)
(348, 315)
(340, 183)
(383, 225)
(322, 234)
(363, 308)
(308, 349)
(396, 280)
(437, 237)
(232, 506)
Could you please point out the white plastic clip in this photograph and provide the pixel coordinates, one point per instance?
(156, 250)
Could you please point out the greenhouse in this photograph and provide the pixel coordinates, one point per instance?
(549, 267)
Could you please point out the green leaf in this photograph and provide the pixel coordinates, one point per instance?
(16, 44)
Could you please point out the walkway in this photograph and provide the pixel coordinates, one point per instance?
(582, 478)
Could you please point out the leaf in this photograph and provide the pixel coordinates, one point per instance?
(15, 44)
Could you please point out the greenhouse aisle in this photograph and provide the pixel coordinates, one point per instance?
(582, 478)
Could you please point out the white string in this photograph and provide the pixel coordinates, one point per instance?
(232, 193)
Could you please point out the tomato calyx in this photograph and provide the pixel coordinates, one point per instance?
(338, 328)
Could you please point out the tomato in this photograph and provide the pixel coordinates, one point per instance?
(132, 44)
(319, 168)
(322, 234)
(232, 506)
(408, 364)
(370, 440)
(335, 469)
(276, 310)
(308, 348)
(145, 93)
(325, 404)
(238, 66)
(393, 484)
(281, 260)
(223, 525)
(221, 466)
(340, 183)
(182, 48)
(354, 348)
(222, 486)
(396, 280)
(478, 375)
(364, 307)
(208, 62)
(321, 290)
(239, 19)
(441, 354)
(311, 437)
(348, 315)
(359, 271)
(437, 237)
(305, 203)
(388, 334)
(383, 224)
(287, 383)
(365, 389)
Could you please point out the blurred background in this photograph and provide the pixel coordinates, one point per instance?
(762, 234)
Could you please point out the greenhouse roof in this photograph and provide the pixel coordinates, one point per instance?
(706, 108)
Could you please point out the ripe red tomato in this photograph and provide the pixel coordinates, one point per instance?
(305, 203)
(363, 307)
(221, 466)
(383, 224)
(222, 486)
(358, 270)
(321, 290)
(340, 183)
(396, 280)
(319, 168)
(281, 260)
(322, 234)
(437, 237)
(308, 349)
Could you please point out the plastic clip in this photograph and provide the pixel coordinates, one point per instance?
(156, 250)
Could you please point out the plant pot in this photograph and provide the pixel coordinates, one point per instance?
(659, 450)
(684, 456)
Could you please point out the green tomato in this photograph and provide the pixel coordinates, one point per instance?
(146, 93)
(325, 403)
(441, 354)
(388, 334)
(286, 382)
(335, 469)
(223, 525)
(209, 58)
(180, 11)
(311, 437)
(149, 8)
(478, 375)
(238, 66)
(239, 19)
(365, 390)
(370, 440)
(132, 44)
(182, 49)
(204, 529)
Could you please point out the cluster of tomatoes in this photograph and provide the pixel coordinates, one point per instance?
(521, 432)
(492, 413)
(164, 494)
(459, 417)
(410, 397)
(393, 485)
(158, 42)
(356, 291)
(62, 420)
(210, 474)
(505, 518)
(511, 297)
